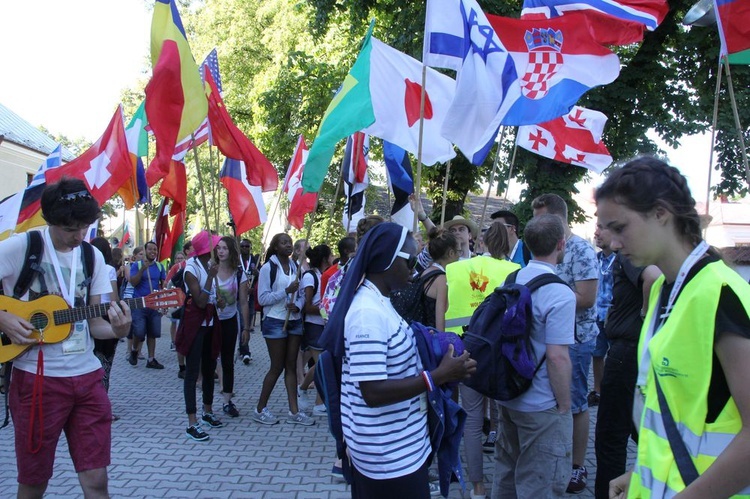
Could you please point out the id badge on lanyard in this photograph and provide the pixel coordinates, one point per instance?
(76, 343)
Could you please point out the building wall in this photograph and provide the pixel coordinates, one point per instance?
(16, 164)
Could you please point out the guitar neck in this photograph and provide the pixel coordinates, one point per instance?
(70, 315)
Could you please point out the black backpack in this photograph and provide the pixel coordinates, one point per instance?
(409, 301)
(499, 339)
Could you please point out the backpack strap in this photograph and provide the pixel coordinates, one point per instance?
(88, 267)
(542, 280)
(31, 264)
(511, 279)
(274, 271)
(315, 280)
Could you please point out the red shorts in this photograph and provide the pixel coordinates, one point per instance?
(79, 405)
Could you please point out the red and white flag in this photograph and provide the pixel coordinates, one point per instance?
(574, 138)
(300, 203)
(105, 166)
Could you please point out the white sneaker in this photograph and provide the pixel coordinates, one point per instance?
(265, 417)
(320, 410)
(300, 418)
(303, 404)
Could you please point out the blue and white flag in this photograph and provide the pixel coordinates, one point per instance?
(53, 161)
(401, 183)
(459, 36)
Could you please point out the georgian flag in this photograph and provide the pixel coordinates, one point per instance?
(574, 138)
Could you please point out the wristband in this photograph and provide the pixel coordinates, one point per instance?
(427, 377)
(422, 217)
(207, 291)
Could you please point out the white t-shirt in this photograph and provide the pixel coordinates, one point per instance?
(70, 357)
(274, 298)
(195, 268)
(389, 441)
(112, 273)
(308, 281)
(228, 290)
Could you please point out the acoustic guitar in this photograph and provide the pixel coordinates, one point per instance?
(53, 319)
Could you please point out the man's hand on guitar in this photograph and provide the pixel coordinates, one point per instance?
(119, 318)
(16, 329)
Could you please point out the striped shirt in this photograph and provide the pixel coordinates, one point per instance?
(389, 441)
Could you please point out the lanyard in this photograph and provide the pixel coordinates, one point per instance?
(602, 259)
(656, 315)
(438, 266)
(69, 293)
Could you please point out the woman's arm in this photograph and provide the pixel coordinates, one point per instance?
(441, 301)
(309, 307)
(245, 311)
(200, 297)
(728, 475)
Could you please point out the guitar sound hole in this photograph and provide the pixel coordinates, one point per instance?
(39, 321)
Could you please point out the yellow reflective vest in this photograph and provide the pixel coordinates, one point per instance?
(682, 356)
(469, 283)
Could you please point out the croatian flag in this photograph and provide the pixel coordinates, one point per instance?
(557, 61)
(458, 36)
(614, 22)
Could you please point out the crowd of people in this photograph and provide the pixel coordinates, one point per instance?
(655, 312)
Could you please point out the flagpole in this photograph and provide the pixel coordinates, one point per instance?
(355, 155)
(492, 178)
(200, 184)
(335, 199)
(273, 215)
(737, 120)
(217, 191)
(418, 183)
(713, 136)
(445, 192)
(510, 170)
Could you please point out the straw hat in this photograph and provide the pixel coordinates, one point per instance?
(459, 220)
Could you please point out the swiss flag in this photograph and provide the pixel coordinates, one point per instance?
(574, 138)
(105, 166)
(300, 202)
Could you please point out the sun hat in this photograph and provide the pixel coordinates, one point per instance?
(204, 242)
(459, 220)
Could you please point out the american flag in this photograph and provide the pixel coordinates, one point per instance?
(212, 61)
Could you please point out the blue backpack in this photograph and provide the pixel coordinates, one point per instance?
(499, 339)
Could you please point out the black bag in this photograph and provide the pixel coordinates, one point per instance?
(498, 338)
(409, 301)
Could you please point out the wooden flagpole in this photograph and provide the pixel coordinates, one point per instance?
(273, 215)
(737, 120)
(445, 192)
(510, 170)
(713, 136)
(200, 184)
(217, 191)
(492, 178)
(418, 180)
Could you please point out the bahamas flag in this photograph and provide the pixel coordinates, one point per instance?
(733, 20)
(381, 96)
(175, 101)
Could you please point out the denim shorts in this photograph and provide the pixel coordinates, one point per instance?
(580, 358)
(146, 322)
(273, 329)
(602, 343)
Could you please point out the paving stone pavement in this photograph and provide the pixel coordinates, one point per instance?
(151, 456)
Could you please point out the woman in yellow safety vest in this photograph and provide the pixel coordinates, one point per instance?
(692, 402)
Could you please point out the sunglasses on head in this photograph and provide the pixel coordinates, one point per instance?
(411, 260)
(75, 196)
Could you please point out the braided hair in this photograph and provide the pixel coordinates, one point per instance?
(646, 183)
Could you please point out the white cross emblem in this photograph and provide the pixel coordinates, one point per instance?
(98, 175)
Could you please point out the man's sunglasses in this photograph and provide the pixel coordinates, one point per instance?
(411, 260)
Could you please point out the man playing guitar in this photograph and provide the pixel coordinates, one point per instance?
(67, 373)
